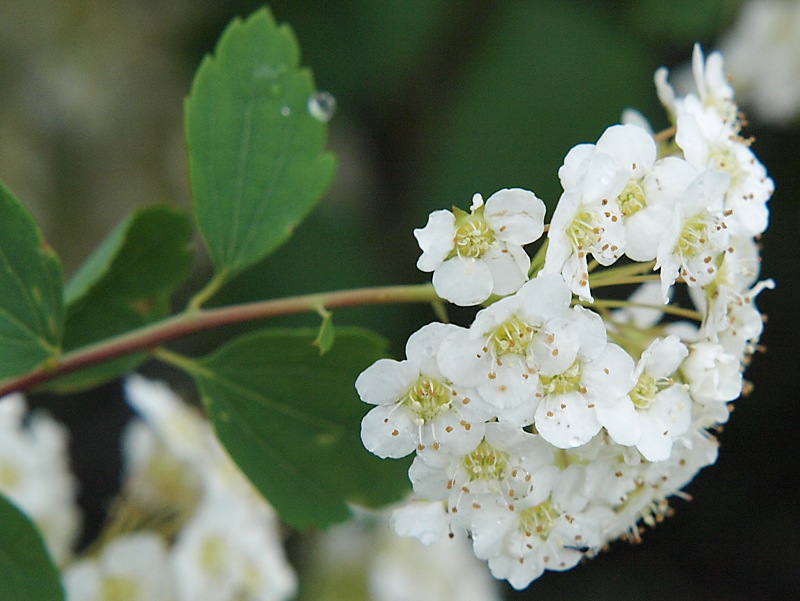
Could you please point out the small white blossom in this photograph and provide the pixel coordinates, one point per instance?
(657, 409)
(474, 255)
(697, 235)
(580, 370)
(417, 406)
(496, 353)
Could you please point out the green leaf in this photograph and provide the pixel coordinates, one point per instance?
(256, 159)
(126, 284)
(290, 418)
(31, 283)
(26, 570)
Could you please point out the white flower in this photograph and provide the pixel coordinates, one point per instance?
(697, 235)
(474, 255)
(714, 378)
(761, 54)
(231, 550)
(543, 530)
(501, 466)
(35, 474)
(417, 406)
(579, 229)
(579, 370)
(657, 409)
(133, 567)
(496, 353)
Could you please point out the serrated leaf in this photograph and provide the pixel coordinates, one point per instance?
(290, 418)
(126, 284)
(26, 570)
(256, 159)
(31, 284)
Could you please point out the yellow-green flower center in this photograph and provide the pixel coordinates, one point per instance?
(486, 463)
(644, 393)
(9, 476)
(539, 520)
(473, 236)
(585, 231)
(428, 398)
(567, 381)
(512, 336)
(693, 238)
(631, 199)
(119, 589)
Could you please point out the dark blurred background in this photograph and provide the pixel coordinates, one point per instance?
(436, 101)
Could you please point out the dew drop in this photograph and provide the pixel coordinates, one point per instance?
(286, 111)
(322, 106)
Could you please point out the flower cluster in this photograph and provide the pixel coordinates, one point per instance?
(552, 425)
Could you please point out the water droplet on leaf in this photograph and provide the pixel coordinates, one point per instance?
(322, 106)
(286, 111)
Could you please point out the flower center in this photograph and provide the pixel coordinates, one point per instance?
(567, 381)
(473, 236)
(631, 199)
(694, 237)
(428, 398)
(119, 589)
(724, 159)
(9, 476)
(486, 463)
(644, 393)
(585, 231)
(539, 520)
(512, 336)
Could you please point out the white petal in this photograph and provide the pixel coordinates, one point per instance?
(643, 230)
(509, 269)
(389, 431)
(515, 215)
(621, 421)
(386, 381)
(464, 282)
(462, 360)
(435, 239)
(423, 346)
(566, 421)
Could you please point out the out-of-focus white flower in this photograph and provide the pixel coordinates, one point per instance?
(35, 474)
(133, 567)
(762, 56)
(228, 546)
(474, 255)
(231, 549)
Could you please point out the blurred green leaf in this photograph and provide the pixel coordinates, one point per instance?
(290, 418)
(26, 570)
(126, 284)
(31, 291)
(681, 22)
(256, 154)
(545, 76)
